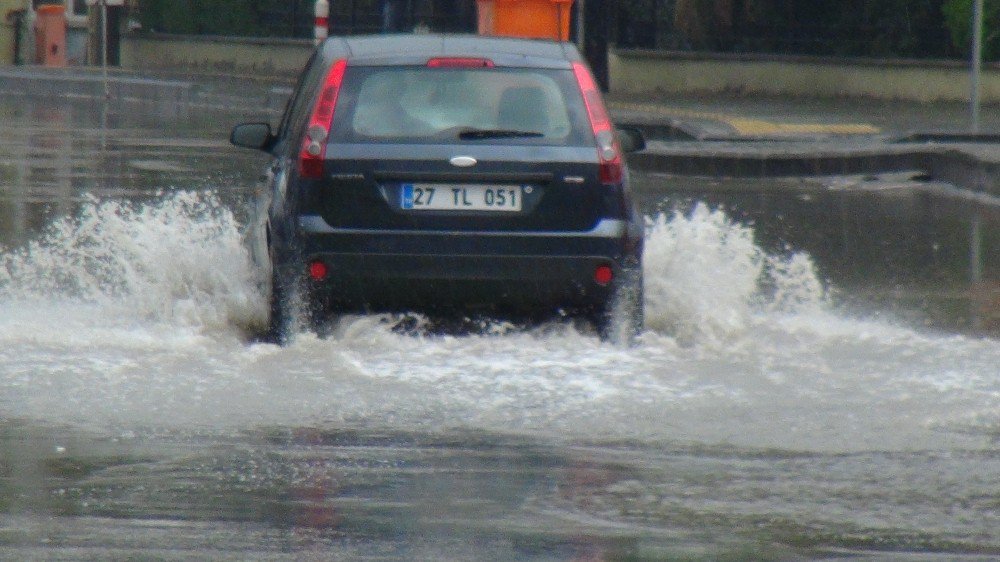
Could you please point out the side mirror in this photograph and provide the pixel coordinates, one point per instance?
(631, 139)
(252, 135)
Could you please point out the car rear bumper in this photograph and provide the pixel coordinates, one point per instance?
(429, 271)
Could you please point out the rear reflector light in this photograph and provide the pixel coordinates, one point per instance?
(313, 150)
(318, 271)
(459, 62)
(311, 167)
(608, 150)
(603, 275)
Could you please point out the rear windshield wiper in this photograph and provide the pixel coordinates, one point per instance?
(473, 134)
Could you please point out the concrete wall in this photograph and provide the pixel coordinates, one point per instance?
(6, 43)
(631, 72)
(229, 55)
(643, 72)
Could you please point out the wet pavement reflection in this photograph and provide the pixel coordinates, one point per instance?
(57, 153)
(867, 430)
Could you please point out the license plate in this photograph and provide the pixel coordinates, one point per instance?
(450, 197)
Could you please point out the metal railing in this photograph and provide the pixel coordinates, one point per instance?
(294, 18)
(855, 28)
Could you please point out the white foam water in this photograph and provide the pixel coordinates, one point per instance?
(706, 278)
(137, 315)
(177, 261)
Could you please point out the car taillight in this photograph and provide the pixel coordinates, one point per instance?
(459, 62)
(603, 275)
(314, 145)
(318, 270)
(608, 152)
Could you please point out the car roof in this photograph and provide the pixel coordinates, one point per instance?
(402, 49)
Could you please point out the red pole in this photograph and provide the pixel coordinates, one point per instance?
(322, 25)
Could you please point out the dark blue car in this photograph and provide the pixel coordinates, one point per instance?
(448, 175)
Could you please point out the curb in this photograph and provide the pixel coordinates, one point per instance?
(49, 82)
(743, 164)
(947, 164)
(964, 170)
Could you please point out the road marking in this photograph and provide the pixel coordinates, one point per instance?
(755, 127)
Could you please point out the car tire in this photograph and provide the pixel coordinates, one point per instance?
(291, 302)
(622, 318)
(280, 325)
(295, 308)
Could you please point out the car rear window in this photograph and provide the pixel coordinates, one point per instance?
(382, 104)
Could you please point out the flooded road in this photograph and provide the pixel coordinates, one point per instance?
(819, 379)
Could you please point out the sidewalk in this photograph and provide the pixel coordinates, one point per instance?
(728, 117)
(753, 136)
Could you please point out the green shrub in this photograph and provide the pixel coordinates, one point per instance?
(201, 17)
(958, 17)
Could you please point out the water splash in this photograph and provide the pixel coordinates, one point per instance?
(177, 260)
(125, 315)
(706, 278)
